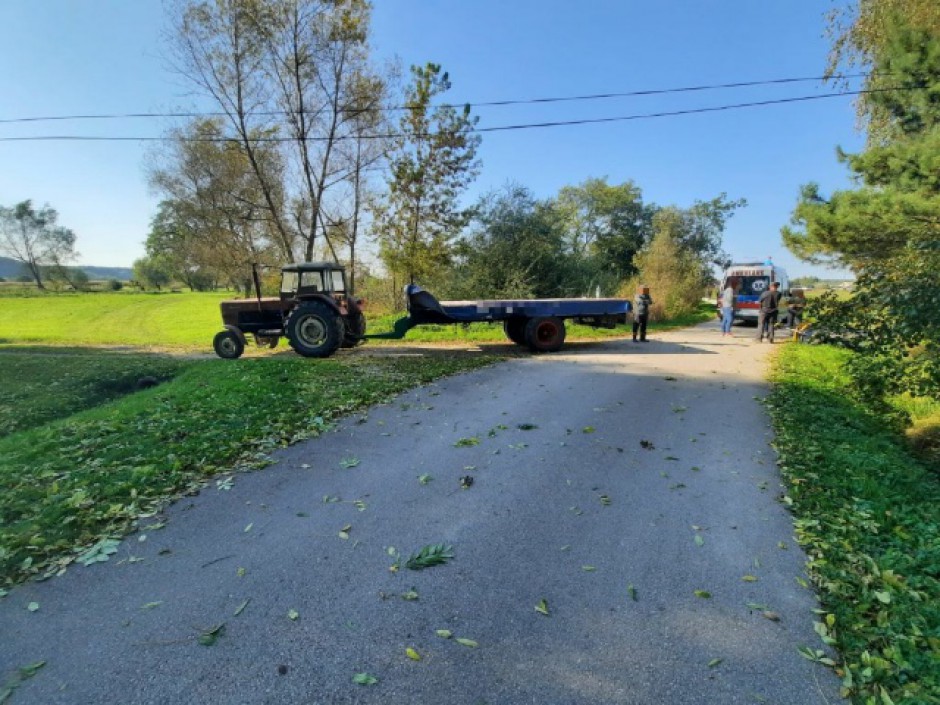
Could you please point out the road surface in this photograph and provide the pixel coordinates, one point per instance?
(627, 490)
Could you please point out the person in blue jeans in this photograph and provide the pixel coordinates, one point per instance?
(727, 308)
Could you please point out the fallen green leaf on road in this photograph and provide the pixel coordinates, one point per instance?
(714, 662)
(151, 605)
(699, 541)
(241, 607)
(33, 606)
(527, 427)
(587, 429)
(772, 616)
(466, 442)
(588, 568)
(30, 670)
(542, 607)
(424, 479)
(410, 596)
(364, 679)
(412, 654)
(469, 643)
(100, 552)
(293, 615)
(211, 635)
(444, 633)
(605, 500)
(749, 578)
(248, 528)
(704, 594)
(344, 532)
(349, 462)
(631, 591)
(429, 556)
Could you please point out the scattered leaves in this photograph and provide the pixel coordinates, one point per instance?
(344, 532)
(241, 607)
(30, 670)
(467, 442)
(605, 500)
(424, 479)
(469, 643)
(631, 591)
(444, 633)
(588, 568)
(466, 482)
(542, 607)
(410, 596)
(293, 615)
(527, 427)
(412, 654)
(151, 605)
(364, 679)
(714, 662)
(33, 606)
(648, 445)
(749, 578)
(588, 429)
(225, 483)
(100, 552)
(704, 594)
(699, 541)
(348, 463)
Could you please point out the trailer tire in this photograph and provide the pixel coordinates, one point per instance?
(515, 330)
(314, 329)
(545, 334)
(228, 345)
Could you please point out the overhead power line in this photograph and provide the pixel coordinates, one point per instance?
(500, 128)
(493, 103)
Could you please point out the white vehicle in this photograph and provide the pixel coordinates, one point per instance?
(749, 280)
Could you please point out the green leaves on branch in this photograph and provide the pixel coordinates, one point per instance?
(429, 556)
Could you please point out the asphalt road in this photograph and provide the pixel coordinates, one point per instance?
(613, 481)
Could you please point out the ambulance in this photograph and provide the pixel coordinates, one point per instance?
(749, 280)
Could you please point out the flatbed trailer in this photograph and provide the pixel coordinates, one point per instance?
(538, 324)
(317, 316)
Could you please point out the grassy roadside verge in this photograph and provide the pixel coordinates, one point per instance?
(868, 516)
(76, 481)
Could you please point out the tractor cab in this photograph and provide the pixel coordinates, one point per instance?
(305, 279)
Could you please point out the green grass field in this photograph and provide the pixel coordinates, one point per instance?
(188, 322)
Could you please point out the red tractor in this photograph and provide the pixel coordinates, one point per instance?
(313, 312)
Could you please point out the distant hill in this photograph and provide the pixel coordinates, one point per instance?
(10, 269)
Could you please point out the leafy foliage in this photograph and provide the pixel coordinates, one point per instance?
(868, 517)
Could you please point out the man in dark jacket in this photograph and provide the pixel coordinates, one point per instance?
(767, 317)
(641, 312)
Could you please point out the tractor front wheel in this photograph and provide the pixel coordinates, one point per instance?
(228, 345)
(314, 329)
(545, 334)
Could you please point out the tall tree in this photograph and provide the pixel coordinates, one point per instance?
(606, 226)
(32, 237)
(861, 33)
(888, 229)
(515, 249)
(284, 73)
(432, 161)
(213, 222)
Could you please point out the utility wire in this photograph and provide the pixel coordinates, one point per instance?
(494, 103)
(501, 128)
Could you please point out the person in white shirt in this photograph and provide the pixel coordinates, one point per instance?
(727, 308)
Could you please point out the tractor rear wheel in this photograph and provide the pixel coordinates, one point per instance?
(314, 329)
(515, 330)
(228, 345)
(353, 329)
(545, 334)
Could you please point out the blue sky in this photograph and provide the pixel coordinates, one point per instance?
(63, 57)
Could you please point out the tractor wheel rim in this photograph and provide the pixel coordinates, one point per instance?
(228, 346)
(312, 331)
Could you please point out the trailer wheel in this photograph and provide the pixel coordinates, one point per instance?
(228, 345)
(314, 329)
(515, 330)
(545, 334)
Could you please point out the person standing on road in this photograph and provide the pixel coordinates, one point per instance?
(727, 308)
(641, 312)
(767, 317)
